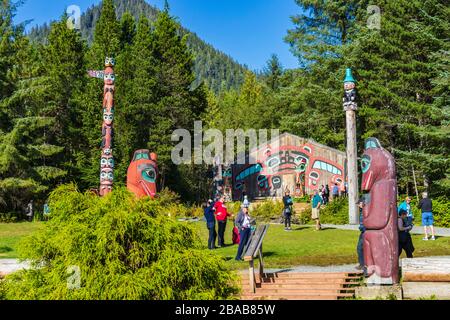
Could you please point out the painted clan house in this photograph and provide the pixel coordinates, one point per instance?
(289, 163)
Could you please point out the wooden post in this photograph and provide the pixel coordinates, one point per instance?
(252, 276)
(350, 107)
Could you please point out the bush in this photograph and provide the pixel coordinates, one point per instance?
(8, 217)
(124, 248)
(441, 210)
(267, 211)
(335, 212)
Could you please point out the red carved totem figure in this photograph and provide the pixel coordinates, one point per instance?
(107, 160)
(380, 214)
(142, 174)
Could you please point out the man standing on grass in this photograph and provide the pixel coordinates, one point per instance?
(221, 217)
(426, 205)
(316, 204)
(210, 224)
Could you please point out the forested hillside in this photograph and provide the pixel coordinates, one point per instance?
(216, 69)
(50, 111)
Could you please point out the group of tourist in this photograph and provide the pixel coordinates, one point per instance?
(405, 223)
(216, 211)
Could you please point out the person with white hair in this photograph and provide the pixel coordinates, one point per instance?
(426, 205)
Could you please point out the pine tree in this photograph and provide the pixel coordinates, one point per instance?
(273, 72)
(176, 104)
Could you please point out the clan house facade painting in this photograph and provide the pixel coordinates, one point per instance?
(289, 163)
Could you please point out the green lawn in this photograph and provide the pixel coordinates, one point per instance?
(303, 246)
(10, 235)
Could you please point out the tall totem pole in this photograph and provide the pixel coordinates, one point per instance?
(350, 108)
(107, 160)
(379, 179)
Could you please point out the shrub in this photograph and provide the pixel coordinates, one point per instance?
(441, 210)
(124, 248)
(8, 217)
(335, 212)
(267, 211)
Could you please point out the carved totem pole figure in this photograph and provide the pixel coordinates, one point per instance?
(380, 214)
(107, 159)
(142, 174)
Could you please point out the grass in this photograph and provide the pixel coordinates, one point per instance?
(302, 246)
(10, 235)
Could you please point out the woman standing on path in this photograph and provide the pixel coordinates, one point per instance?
(287, 211)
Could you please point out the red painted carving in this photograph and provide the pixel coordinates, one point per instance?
(380, 214)
(142, 174)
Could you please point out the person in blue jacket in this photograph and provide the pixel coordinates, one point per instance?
(210, 224)
(406, 206)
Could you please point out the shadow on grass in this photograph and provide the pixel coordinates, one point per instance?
(327, 229)
(5, 249)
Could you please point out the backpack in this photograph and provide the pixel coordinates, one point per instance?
(236, 236)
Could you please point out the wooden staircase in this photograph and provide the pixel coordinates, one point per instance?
(302, 286)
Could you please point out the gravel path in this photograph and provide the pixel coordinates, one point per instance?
(440, 232)
(11, 265)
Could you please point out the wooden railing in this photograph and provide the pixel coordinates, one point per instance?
(254, 250)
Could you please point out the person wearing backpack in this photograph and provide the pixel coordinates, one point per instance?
(243, 223)
(287, 211)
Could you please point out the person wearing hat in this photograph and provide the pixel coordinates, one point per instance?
(210, 223)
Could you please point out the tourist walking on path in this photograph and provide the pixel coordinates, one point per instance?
(316, 204)
(210, 224)
(335, 191)
(243, 223)
(404, 238)
(221, 216)
(30, 211)
(287, 211)
(426, 205)
(360, 246)
(406, 206)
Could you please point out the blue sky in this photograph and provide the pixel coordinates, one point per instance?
(248, 30)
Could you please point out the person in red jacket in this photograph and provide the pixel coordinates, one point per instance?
(221, 217)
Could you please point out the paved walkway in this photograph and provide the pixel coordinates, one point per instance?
(440, 232)
(11, 265)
